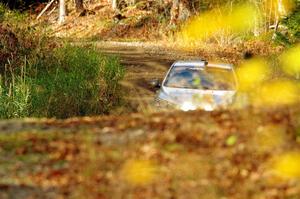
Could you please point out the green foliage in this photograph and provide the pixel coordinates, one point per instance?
(291, 34)
(282, 39)
(12, 17)
(2, 12)
(293, 24)
(68, 83)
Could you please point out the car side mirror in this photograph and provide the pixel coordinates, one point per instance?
(155, 83)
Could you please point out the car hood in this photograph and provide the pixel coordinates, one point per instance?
(197, 99)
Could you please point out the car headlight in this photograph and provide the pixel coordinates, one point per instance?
(188, 106)
(208, 107)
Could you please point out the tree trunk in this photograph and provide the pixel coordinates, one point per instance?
(79, 5)
(62, 11)
(114, 4)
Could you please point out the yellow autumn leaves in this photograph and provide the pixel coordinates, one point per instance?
(254, 78)
(272, 138)
(268, 138)
(252, 73)
(234, 19)
(287, 165)
(279, 92)
(219, 21)
(290, 61)
(139, 172)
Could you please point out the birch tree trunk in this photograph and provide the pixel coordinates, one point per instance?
(62, 11)
(114, 4)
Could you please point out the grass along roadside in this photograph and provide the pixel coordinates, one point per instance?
(71, 81)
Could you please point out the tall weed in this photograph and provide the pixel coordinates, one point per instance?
(111, 73)
(14, 96)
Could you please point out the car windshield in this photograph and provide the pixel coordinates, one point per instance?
(208, 78)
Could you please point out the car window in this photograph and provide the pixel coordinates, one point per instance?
(200, 78)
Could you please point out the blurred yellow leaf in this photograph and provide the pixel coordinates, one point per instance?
(251, 73)
(225, 20)
(242, 18)
(277, 93)
(231, 140)
(288, 165)
(139, 172)
(290, 61)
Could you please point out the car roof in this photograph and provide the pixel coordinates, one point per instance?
(191, 63)
(201, 64)
(220, 65)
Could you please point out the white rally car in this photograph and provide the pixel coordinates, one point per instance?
(191, 85)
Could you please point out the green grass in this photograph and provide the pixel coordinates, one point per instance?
(14, 95)
(12, 17)
(75, 81)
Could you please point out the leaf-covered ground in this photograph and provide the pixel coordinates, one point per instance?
(225, 154)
